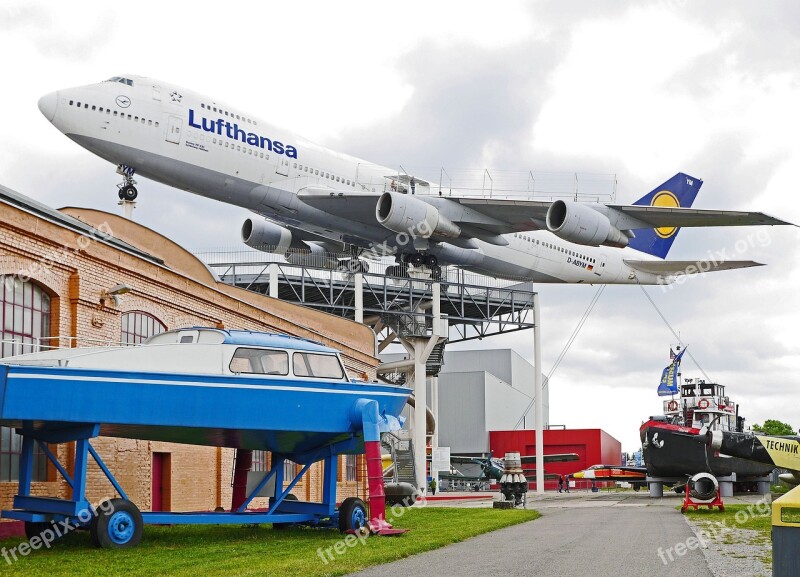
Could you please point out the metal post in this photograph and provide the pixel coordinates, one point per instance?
(358, 282)
(437, 332)
(435, 409)
(329, 482)
(273, 280)
(127, 208)
(26, 464)
(537, 367)
(81, 461)
(421, 404)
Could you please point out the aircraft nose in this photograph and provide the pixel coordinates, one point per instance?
(48, 104)
(578, 475)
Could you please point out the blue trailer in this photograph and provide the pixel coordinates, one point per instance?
(241, 389)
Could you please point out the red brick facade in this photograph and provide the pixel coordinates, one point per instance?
(75, 270)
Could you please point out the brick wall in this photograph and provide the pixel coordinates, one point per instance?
(75, 270)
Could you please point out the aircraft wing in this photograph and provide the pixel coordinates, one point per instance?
(494, 216)
(521, 215)
(687, 267)
(665, 216)
(463, 459)
(530, 473)
(556, 458)
(357, 206)
(457, 477)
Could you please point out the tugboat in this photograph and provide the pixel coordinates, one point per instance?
(669, 442)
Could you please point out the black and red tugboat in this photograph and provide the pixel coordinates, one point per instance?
(669, 441)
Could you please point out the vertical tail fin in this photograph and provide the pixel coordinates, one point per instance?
(680, 190)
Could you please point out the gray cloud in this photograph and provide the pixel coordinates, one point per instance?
(52, 38)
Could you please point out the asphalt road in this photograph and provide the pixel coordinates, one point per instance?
(574, 538)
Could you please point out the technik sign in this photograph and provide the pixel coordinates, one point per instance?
(222, 127)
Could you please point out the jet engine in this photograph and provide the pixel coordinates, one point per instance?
(264, 235)
(314, 256)
(408, 214)
(582, 224)
(703, 487)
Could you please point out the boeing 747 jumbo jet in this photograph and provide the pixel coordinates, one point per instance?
(317, 199)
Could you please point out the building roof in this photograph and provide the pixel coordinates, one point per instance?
(31, 206)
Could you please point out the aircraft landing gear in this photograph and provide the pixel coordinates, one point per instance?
(397, 271)
(417, 260)
(420, 259)
(355, 265)
(127, 190)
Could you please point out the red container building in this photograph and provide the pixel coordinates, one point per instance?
(593, 446)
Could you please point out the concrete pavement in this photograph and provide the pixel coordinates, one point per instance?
(602, 535)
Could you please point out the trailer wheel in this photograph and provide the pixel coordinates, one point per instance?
(35, 529)
(352, 515)
(282, 526)
(118, 524)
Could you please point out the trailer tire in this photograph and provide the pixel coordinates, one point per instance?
(282, 526)
(118, 525)
(353, 515)
(36, 528)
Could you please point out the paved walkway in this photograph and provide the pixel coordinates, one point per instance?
(601, 535)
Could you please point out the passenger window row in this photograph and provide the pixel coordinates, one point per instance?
(228, 114)
(323, 174)
(117, 113)
(554, 247)
(225, 143)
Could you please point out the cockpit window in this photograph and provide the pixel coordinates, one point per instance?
(260, 361)
(314, 365)
(127, 81)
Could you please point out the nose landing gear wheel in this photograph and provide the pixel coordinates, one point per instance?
(128, 192)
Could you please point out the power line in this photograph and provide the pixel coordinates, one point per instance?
(564, 351)
(674, 333)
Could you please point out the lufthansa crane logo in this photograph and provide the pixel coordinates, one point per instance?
(123, 101)
(665, 198)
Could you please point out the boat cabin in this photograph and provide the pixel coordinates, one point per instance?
(703, 404)
(201, 350)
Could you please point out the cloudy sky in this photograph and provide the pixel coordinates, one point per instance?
(638, 89)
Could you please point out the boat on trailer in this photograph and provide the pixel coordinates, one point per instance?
(202, 386)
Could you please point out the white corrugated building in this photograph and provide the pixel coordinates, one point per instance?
(482, 391)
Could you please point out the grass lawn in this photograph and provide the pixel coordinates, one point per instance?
(757, 517)
(726, 527)
(234, 550)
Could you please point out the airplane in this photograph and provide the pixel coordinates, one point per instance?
(636, 476)
(492, 468)
(323, 202)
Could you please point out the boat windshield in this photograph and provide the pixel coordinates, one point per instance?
(260, 361)
(317, 365)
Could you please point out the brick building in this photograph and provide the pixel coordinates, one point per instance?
(56, 268)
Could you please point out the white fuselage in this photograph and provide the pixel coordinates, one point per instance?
(195, 143)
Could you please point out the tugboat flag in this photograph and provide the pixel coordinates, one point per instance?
(669, 377)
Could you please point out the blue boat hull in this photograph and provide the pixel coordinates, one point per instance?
(263, 413)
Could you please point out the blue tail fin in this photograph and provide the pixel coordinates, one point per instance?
(680, 190)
